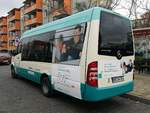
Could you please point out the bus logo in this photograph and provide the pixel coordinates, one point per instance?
(119, 56)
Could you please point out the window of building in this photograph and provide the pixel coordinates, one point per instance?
(12, 42)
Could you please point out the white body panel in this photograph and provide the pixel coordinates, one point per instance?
(108, 66)
(66, 79)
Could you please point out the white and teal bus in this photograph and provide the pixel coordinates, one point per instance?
(88, 55)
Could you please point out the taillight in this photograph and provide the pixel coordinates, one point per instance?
(92, 74)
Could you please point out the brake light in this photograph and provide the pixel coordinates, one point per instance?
(92, 74)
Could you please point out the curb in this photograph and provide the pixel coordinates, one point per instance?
(136, 98)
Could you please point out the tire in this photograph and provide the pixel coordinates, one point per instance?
(46, 87)
(13, 73)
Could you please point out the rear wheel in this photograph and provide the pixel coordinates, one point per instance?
(13, 73)
(46, 87)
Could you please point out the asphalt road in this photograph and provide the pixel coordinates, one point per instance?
(23, 96)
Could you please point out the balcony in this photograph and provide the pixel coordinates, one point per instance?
(4, 47)
(3, 31)
(3, 23)
(4, 38)
(14, 27)
(12, 18)
(32, 8)
(4, 44)
(38, 19)
(12, 37)
(15, 17)
(33, 21)
(60, 11)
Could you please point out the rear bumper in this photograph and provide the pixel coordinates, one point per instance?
(97, 94)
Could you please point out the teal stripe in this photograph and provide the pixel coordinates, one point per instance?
(90, 93)
(35, 78)
(25, 73)
(96, 13)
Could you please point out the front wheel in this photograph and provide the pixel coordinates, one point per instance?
(13, 73)
(46, 87)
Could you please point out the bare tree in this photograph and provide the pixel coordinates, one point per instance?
(145, 5)
(115, 3)
(138, 10)
(81, 6)
(135, 7)
(109, 4)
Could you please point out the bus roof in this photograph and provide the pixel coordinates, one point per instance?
(81, 17)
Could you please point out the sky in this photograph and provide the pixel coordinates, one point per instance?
(7, 5)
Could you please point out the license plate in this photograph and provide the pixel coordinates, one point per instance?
(117, 79)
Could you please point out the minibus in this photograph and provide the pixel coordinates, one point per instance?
(88, 55)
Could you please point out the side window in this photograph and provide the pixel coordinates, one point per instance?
(42, 47)
(26, 48)
(38, 48)
(19, 47)
(68, 44)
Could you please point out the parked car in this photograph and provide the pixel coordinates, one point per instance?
(5, 58)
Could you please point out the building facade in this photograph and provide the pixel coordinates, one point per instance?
(56, 9)
(13, 27)
(3, 34)
(32, 14)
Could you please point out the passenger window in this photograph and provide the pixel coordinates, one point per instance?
(39, 47)
(26, 48)
(68, 44)
(42, 47)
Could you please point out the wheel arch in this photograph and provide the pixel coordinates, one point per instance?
(44, 75)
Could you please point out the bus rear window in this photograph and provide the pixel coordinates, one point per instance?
(115, 35)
